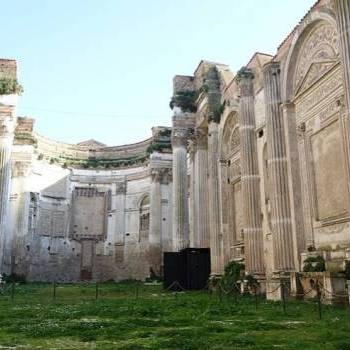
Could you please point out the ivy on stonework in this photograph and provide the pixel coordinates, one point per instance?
(10, 86)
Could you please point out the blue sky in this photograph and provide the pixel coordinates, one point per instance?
(103, 69)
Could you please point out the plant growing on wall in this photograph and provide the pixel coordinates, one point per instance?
(10, 86)
(314, 264)
(186, 100)
(165, 133)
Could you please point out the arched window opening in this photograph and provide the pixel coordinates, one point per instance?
(144, 214)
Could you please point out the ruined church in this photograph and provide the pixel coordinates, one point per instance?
(256, 167)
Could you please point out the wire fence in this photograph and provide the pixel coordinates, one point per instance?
(88, 291)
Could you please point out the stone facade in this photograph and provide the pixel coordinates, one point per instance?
(255, 167)
(279, 174)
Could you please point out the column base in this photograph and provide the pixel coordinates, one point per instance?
(277, 284)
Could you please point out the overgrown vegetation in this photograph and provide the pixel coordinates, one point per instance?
(26, 138)
(314, 264)
(186, 100)
(10, 86)
(347, 269)
(103, 163)
(234, 271)
(134, 316)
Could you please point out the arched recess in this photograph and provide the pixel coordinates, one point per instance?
(231, 201)
(303, 34)
(312, 86)
(144, 216)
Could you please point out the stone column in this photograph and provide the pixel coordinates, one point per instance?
(180, 189)
(282, 233)
(201, 238)
(253, 239)
(120, 212)
(294, 180)
(7, 126)
(155, 230)
(214, 200)
(192, 202)
(342, 13)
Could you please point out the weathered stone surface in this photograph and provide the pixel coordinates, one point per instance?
(260, 173)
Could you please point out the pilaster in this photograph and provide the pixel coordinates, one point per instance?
(253, 239)
(216, 244)
(282, 233)
(155, 231)
(201, 237)
(7, 127)
(342, 14)
(180, 188)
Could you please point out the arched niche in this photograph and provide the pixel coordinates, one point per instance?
(144, 215)
(312, 51)
(232, 209)
(230, 140)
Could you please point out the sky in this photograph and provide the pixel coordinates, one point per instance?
(103, 69)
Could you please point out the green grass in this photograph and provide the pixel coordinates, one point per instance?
(151, 318)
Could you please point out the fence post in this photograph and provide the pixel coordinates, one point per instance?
(283, 297)
(137, 290)
(13, 291)
(256, 298)
(319, 304)
(54, 290)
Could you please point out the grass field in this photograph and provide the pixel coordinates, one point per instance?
(127, 316)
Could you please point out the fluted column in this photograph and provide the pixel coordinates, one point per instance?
(201, 238)
(155, 230)
(282, 233)
(214, 200)
(7, 125)
(253, 240)
(180, 189)
(342, 13)
(192, 202)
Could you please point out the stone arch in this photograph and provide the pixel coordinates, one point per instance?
(303, 34)
(231, 186)
(230, 139)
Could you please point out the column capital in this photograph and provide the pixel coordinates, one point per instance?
(244, 79)
(201, 139)
(7, 121)
(179, 137)
(272, 84)
(156, 175)
(272, 67)
(161, 175)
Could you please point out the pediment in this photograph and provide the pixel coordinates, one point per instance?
(315, 72)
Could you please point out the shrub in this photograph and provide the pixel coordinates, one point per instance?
(347, 269)
(314, 264)
(14, 277)
(233, 272)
